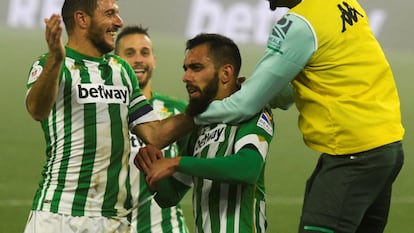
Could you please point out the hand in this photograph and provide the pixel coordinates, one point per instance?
(160, 169)
(53, 36)
(146, 156)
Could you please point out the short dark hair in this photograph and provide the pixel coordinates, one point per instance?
(129, 30)
(71, 6)
(222, 49)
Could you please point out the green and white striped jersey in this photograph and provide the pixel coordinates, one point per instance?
(87, 136)
(221, 207)
(148, 217)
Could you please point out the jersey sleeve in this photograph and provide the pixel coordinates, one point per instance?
(35, 71)
(245, 165)
(290, 46)
(170, 192)
(140, 110)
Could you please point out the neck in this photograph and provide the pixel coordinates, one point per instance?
(147, 91)
(83, 46)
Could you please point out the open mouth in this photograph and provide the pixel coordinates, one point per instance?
(192, 91)
(140, 71)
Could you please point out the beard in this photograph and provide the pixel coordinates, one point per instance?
(97, 38)
(144, 82)
(200, 104)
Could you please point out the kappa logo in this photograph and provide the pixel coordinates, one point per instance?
(99, 93)
(279, 34)
(349, 15)
(208, 137)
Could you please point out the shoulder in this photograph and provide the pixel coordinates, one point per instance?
(262, 121)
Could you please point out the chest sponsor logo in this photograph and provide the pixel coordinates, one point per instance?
(210, 136)
(99, 93)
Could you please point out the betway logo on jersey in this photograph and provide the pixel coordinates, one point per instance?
(215, 135)
(99, 93)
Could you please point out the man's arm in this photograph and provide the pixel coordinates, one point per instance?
(243, 167)
(284, 58)
(42, 95)
(164, 132)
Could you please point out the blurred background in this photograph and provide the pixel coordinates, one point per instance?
(170, 24)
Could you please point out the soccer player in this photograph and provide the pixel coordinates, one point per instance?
(134, 45)
(87, 100)
(349, 110)
(226, 162)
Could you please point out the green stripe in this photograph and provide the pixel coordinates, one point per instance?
(67, 145)
(319, 229)
(115, 165)
(231, 208)
(89, 150)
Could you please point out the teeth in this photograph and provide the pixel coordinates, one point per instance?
(139, 70)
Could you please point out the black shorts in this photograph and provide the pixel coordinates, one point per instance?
(351, 193)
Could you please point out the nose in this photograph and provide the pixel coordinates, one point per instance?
(186, 77)
(118, 20)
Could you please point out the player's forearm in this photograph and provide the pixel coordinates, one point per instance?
(173, 128)
(43, 93)
(243, 167)
(255, 93)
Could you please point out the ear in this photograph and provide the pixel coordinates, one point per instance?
(227, 72)
(82, 19)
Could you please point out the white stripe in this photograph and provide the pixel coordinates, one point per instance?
(205, 192)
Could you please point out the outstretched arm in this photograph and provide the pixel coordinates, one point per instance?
(284, 58)
(43, 93)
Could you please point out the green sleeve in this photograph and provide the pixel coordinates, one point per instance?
(289, 48)
(243, 167)
(170, 192)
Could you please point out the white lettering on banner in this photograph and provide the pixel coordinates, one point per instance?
(30, 13)
(245, 23)
(241, 21)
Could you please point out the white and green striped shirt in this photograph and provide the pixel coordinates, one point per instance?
(87, 138)
(230, 207)
(148, 217)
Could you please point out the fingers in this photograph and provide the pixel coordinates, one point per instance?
(146, 157)
(53, 34)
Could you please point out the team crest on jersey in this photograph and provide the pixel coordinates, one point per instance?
(35, 72)
(210, 136)
(164, 113)
(265, 122)
(278, 34)
(99, 93)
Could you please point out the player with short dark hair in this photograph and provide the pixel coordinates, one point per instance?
(226, 162)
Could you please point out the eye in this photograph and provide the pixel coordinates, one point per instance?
(129, 53)
(145, 52)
